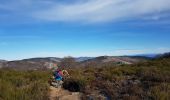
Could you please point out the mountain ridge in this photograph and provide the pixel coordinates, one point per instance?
(44, 62)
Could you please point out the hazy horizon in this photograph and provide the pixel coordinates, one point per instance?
(59, 28)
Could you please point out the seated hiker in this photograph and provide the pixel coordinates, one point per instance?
(59, 74)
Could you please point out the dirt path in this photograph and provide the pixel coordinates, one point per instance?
(61, 94)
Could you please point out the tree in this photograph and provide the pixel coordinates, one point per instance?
(68, 62)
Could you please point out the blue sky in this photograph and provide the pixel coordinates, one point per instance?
(58, 28)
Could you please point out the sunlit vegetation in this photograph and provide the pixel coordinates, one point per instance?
(142, 81)
(23, 85)
(149, 80)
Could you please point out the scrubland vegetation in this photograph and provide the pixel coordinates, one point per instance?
(143, 81)
(148, 81)
(23, 85)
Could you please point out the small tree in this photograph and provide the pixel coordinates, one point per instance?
(68, 62)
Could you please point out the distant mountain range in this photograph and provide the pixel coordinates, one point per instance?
(116, 60)
(42, 63)
(148, 55)
(80, 59)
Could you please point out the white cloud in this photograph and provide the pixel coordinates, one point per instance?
(103, 10)
(87, 10)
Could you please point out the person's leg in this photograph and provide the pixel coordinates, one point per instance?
(58, 78)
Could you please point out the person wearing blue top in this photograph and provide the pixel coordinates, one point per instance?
(57, 75)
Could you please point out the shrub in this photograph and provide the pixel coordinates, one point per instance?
(160, 92)
(23, 85)
(74, 85)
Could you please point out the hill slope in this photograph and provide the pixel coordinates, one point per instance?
(43, 63)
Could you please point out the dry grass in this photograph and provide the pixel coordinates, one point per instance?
(23, 85)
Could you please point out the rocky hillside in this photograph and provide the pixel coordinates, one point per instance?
(43, 63)
(31, 64)
(118, 60)
(2, 62)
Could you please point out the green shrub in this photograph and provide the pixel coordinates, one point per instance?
(23, 85)
(160, 92)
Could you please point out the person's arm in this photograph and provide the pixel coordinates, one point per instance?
(65, 73)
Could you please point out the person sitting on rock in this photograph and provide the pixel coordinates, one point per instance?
(59, 74)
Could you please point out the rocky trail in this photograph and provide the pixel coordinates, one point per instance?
(62, 94)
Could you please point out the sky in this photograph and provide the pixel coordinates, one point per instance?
(59, 28)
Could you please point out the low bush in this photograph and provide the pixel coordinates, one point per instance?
(23, 85)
